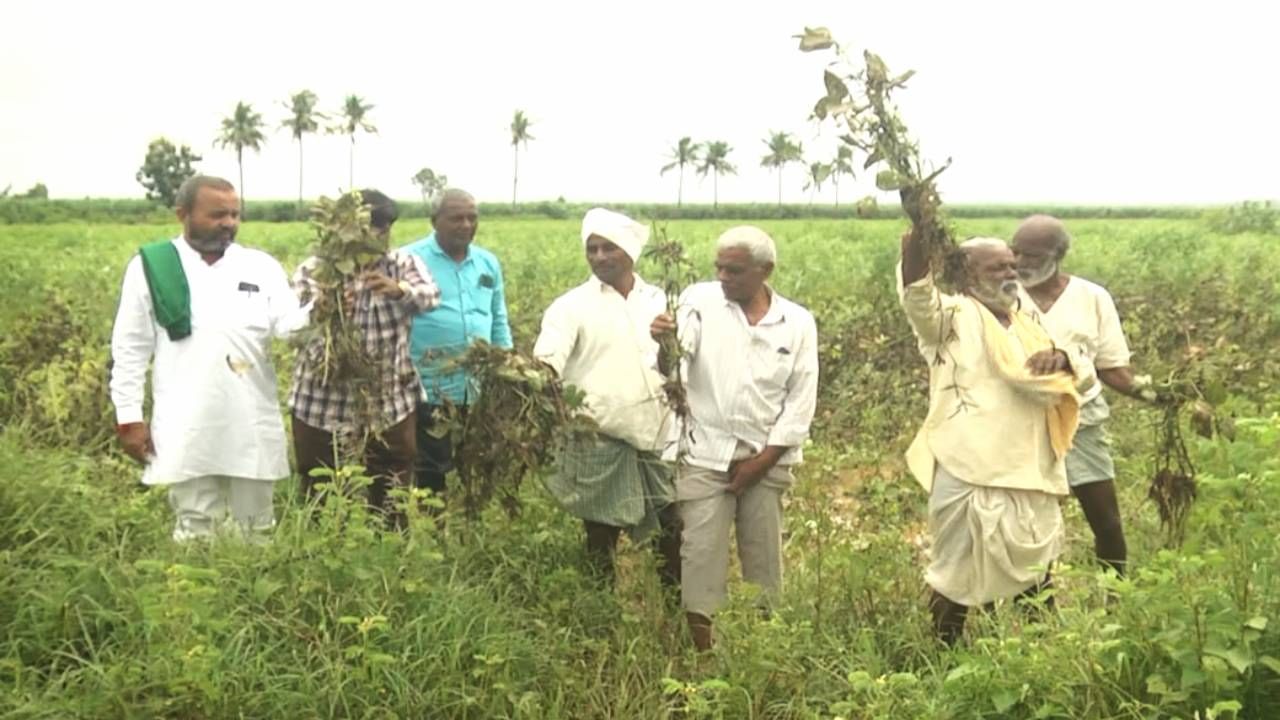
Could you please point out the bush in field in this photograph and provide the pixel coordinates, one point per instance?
(1258, 217)
(36, 192)
(164, 169)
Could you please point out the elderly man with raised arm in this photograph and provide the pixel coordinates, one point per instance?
(1003, 407)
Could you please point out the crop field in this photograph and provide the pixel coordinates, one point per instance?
(103, 616)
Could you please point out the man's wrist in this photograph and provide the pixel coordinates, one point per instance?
(122, 428)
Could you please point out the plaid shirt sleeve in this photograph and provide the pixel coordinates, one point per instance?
(423, 293)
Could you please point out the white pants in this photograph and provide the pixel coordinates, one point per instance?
(201, 505)
(707, 513)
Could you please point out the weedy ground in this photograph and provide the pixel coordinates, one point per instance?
(101, 616)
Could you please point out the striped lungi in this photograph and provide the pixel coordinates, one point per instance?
(607, 481)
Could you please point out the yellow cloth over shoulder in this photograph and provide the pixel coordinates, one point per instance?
(1056, 390)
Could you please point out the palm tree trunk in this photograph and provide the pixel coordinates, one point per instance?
(299, 213)
(240, 162)
(351, 164)
(680, 188)
(837, 184)
(515, 172)
(715, 191)
(779, 186)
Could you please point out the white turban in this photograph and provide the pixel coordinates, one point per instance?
(617, 229)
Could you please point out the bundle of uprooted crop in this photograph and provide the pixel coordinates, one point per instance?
(675, 273)
(519, 418)
(1195, 386)
(345, 243)
(858, 100)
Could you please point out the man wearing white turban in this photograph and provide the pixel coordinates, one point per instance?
(596, 337)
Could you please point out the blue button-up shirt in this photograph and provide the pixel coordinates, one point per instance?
(473, 306)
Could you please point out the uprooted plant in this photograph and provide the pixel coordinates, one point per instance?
(345, 243)
(859, 101)
(1196, 385)
(675, 273)
(520, 416)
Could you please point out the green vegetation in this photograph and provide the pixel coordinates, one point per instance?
(103, 617)
(18, 211)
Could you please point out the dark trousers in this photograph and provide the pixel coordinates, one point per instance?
(435, 454)
(389, 460)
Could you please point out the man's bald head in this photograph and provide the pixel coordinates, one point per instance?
(1040, 243)
(1043, 232)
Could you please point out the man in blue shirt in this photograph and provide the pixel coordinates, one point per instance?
(473, 307)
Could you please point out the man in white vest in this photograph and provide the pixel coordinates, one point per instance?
(1081, 315)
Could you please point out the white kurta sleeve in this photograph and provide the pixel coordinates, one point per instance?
(133, 342)
(928, 310)
(287, 313)
(792, 426)
(558, 336)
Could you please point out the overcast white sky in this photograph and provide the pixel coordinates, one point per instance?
(1072, 102)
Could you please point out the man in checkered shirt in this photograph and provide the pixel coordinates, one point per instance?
(383, 300)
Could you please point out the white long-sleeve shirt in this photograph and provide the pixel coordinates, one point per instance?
(215, 409)
(752, 383)
(599, 341)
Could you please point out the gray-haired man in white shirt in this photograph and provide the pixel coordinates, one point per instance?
(751, 358)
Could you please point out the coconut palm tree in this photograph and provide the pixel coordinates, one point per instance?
(716, 161)
(520, 125)
(303, 118)
(354, 115)
(782, 150)
(818, 174)
(243, 129)
(841, 165)
(684, 153)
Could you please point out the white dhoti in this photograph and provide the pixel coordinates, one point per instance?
(989, 543)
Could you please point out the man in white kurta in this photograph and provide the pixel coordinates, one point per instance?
(216, 436)
(1002, 411)
(596, 337)
(1080, 315)
(751, 362)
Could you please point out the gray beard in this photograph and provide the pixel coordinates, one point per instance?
(1002, 297)
(1040, 276)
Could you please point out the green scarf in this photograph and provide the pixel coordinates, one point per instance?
(170, 294)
